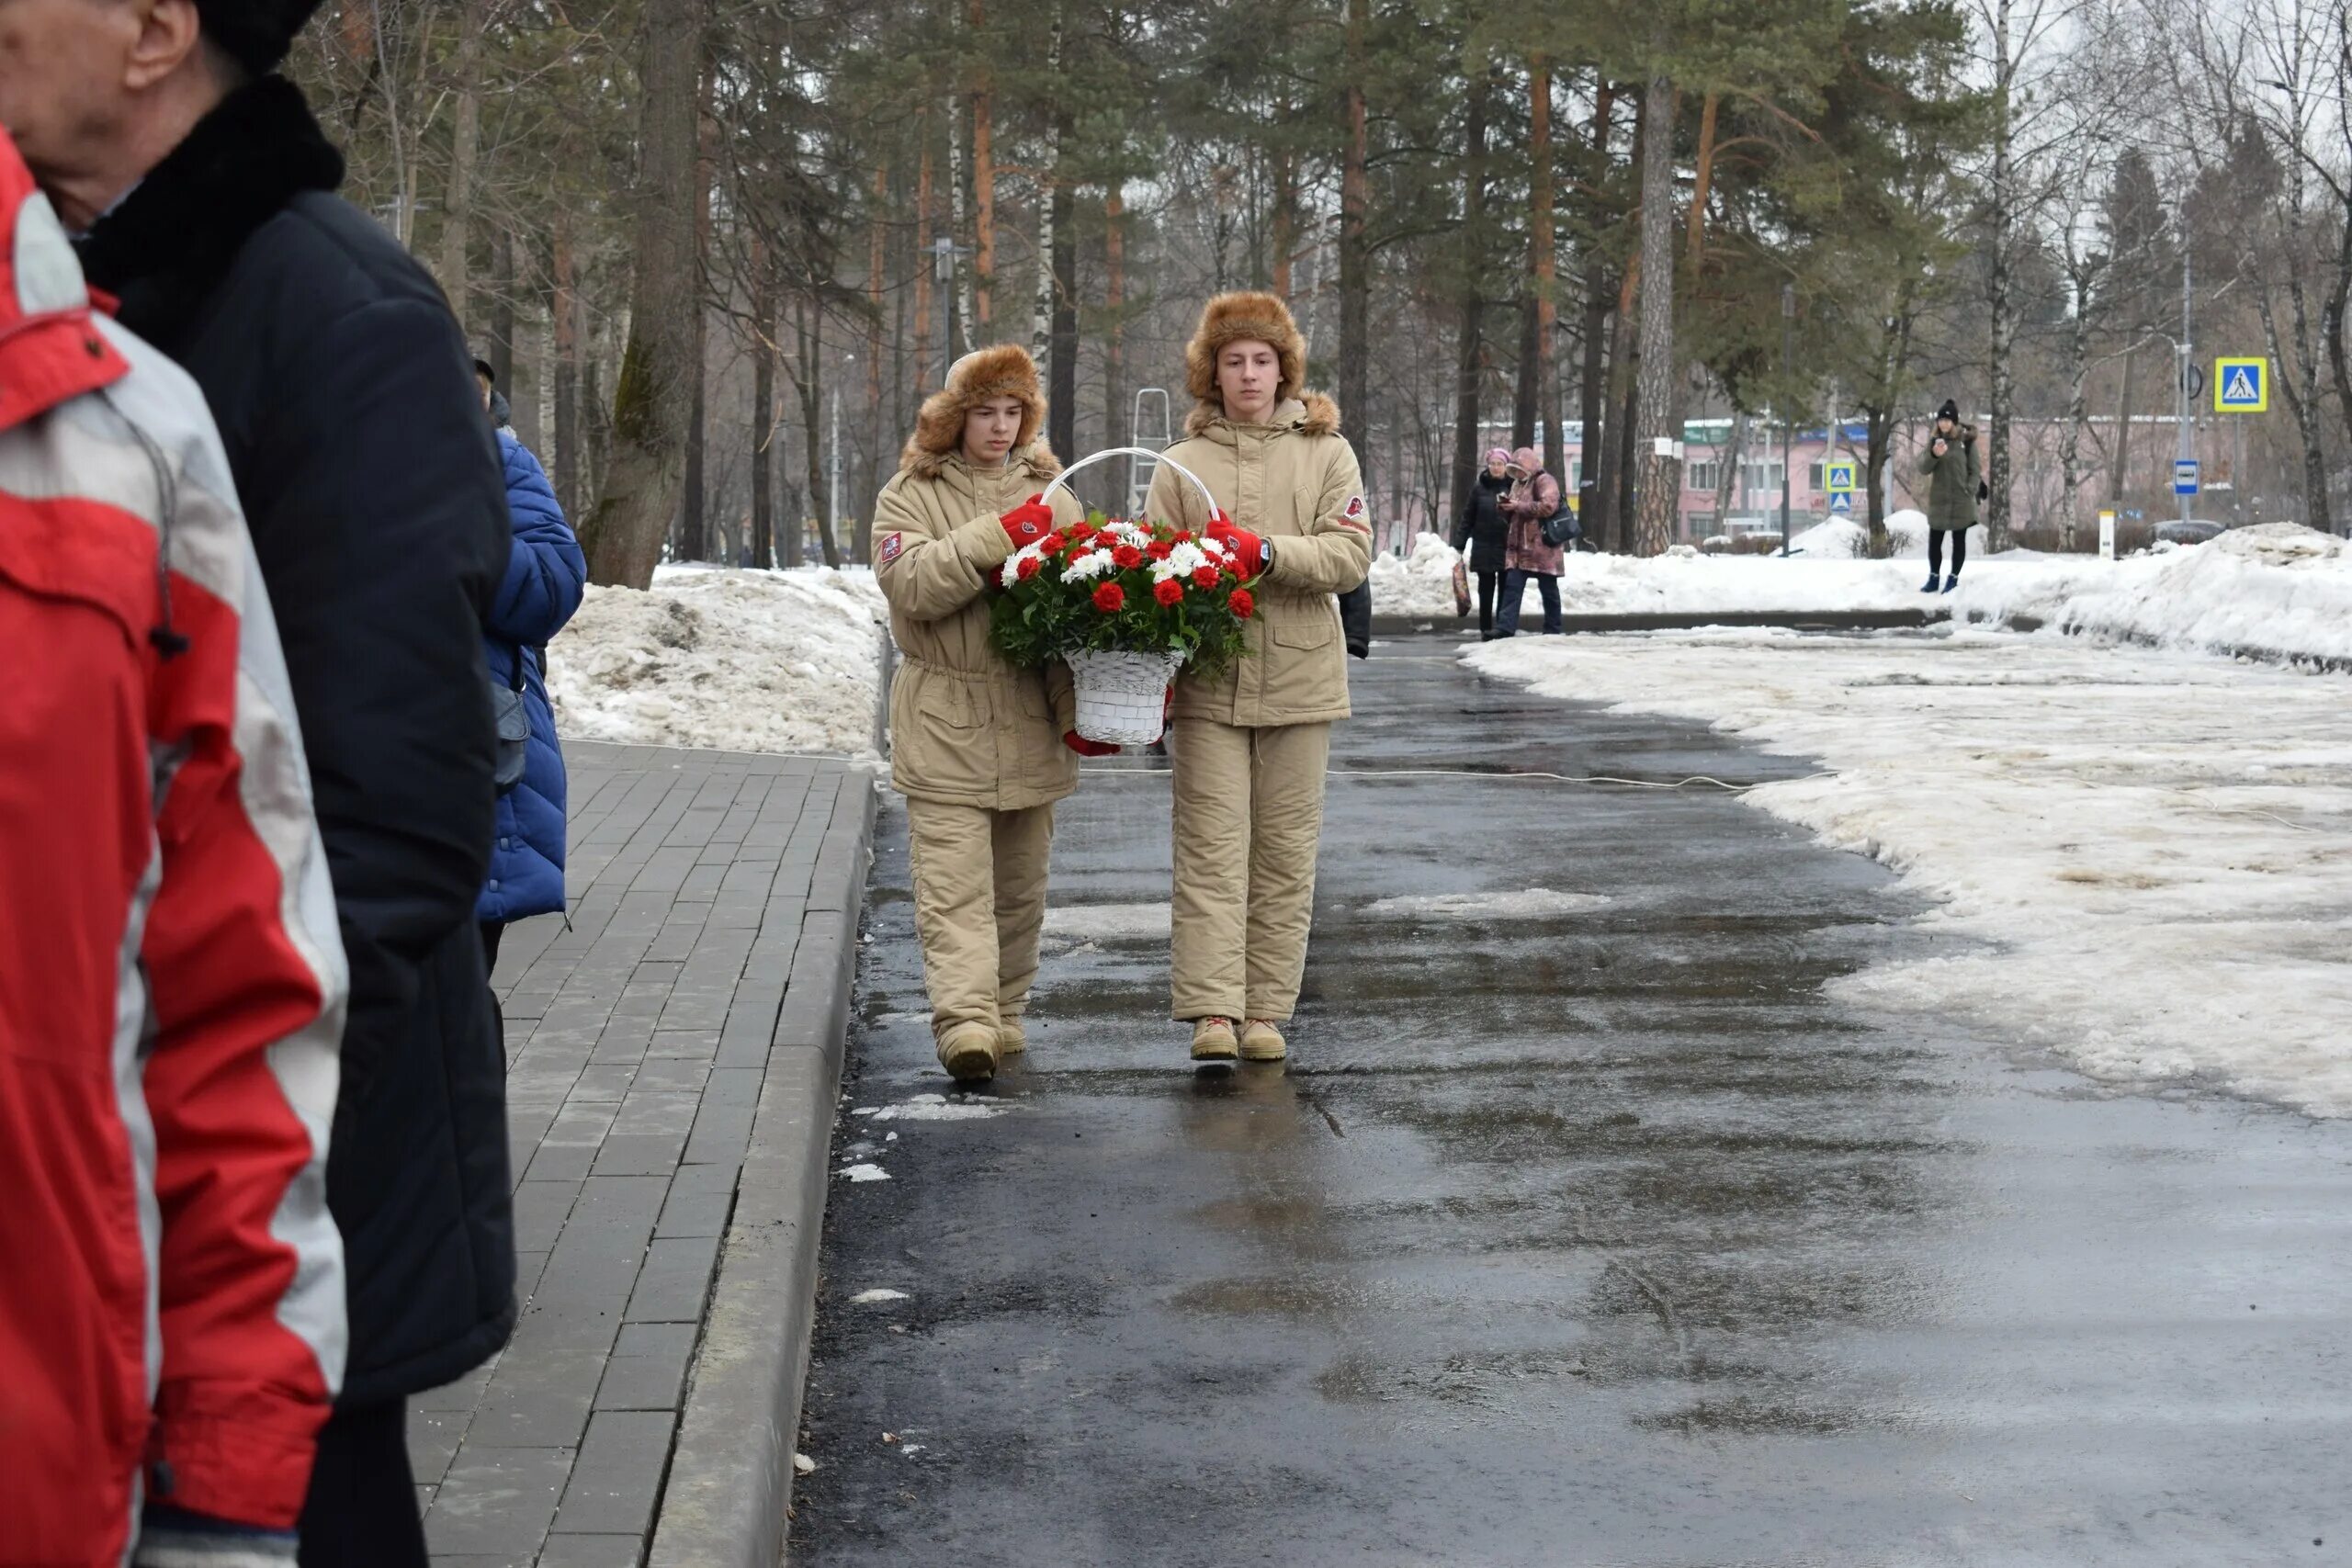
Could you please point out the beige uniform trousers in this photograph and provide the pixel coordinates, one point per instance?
(979, 905)
(1249, 815)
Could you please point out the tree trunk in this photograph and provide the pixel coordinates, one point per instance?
(2079, 414)
(1114, 337)
(2300, 387)
(762, 426)
(959, 302)
(1041, 308)
(876, 266)
(501, 346)
(465, 142)
(2002, 311)
(1629, 430)
(1355, 255)
(1590, 509)
(983, 192)
(1615, 531)
(1660, 486)
(2331, 327)
(809, 381)
(1547, 261)
(1285, 217)
(565, 311)
(1061, 390)
(1527, 385)
(1727, 466)
(693, 526)
(923, 263)
(2123, 458)
(655, 396)
(1702, 185)
(1468, 364)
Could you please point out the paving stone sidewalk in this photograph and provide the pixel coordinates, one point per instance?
(638, 1043)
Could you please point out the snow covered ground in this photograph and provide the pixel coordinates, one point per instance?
(2143, 855)
(734, 660)
(2280, 590)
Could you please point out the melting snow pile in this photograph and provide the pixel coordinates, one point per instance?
(1421, 584)
(2142, 857)
(725, 659)
(1842, 538)
(2278, 589)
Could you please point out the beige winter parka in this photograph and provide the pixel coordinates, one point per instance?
(1294, 482)
(966, 728)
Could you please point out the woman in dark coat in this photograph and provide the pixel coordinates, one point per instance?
(1954, 483)
(1534, 497)
(540, 592)
(1485, 531)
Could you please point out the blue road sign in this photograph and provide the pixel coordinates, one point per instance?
(2184, 477)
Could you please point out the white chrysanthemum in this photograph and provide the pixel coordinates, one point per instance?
(1011, 571)
(1186, 559)
(1086, 567)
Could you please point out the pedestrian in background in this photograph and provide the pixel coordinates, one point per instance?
(203, 191)
(1534, 497)
(1955, 484)
(172, 986)
(1485, 530)
(545, 577)
(981, 749)
(1250, 746)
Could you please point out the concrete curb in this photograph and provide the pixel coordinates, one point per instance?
(730, 1471)
(1801, 620)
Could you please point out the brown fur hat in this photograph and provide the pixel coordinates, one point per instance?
(1004, 370)
(1236, 318)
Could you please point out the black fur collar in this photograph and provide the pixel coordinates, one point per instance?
(166, 248)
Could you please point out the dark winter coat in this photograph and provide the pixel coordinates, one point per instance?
(1952, 479)
(542, 587)
(1482, 526)
(1529, 503)
(354, 428)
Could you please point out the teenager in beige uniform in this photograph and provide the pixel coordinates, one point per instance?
(1249, 747)
(980, 749)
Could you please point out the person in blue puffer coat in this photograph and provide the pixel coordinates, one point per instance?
(541, 590)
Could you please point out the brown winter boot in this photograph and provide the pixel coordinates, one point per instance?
(1261, 1042)
(968, 1051)
(1010, 1039)
(1213, 1040)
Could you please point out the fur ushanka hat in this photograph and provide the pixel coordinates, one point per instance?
(1002, 371)
(1237, 318)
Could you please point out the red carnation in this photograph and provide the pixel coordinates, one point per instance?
(1052, 544)
(1126, 557)
(1160, 549)
(1168, 591)
(1028, 567)
(1184, 536)
(1204, 578)
(1243, 605)
(1111, 598)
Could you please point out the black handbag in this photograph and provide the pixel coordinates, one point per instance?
(514, 726)
(1561, 528)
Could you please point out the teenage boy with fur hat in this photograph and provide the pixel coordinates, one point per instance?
(980, 749)
(1250, 747)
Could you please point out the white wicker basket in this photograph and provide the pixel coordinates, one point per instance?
(1123, 695)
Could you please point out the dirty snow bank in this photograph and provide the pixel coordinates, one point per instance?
(1420, 584)
(1840, 537)
(2142, 857)
(731, 660)
(2278, 589)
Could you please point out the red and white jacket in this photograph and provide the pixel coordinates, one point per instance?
(172, 985)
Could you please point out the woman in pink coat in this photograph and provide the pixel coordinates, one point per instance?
(1534, 497)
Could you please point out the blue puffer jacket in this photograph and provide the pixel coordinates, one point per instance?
(542, 587)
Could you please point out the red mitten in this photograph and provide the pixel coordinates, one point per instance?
(1248, 546)
(1085, 748)
(1029, 521)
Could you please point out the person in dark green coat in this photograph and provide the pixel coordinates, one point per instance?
(1954, 485)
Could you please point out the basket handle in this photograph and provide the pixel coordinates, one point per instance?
(1061, 480)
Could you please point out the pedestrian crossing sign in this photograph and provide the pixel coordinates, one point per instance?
(1838, 477)
(2241, 386)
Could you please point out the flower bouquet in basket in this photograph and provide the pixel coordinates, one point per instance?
(1127, 604)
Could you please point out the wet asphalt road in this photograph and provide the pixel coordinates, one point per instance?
(1584, 1234)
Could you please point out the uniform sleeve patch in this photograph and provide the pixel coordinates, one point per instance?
(893, 546)
(1355, 506)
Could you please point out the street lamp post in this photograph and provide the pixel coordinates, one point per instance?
(2180, 388)
(1788, 410)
